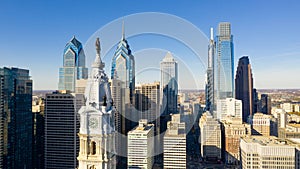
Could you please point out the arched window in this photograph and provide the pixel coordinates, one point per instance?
(93, 148)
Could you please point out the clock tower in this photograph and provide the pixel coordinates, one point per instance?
(97, 130)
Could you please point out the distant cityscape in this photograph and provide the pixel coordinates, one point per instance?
(106, 120)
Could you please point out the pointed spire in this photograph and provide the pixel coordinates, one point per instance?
(211, 33)
(123, 30)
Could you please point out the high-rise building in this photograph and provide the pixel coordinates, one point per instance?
(147, 102)
(38, 131)
(228, 107)
(123, 69)
(244, 86)
(15, 118)
(141, 146)
(168, 89)
(175, 145)
(97, 125)
(265, 104)
(169, 83)
(234, 129)
(73, 66)
(210, 137)
(61, 128)
(261, 124)
(224, 62)
(268, 152)
(210, 104)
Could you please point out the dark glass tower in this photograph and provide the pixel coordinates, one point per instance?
(73, 66)
(61, 128)
(15, 118)
(244, 86)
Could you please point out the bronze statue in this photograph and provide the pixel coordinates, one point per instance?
(98, 46)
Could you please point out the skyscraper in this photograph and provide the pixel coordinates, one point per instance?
(123, 69)
(233, 130)
(175, 145)
(168, 89)
(123, 65)
(224, 62)
(73, 66)
(15, 118)
(265, 104)
(147, 101)
(210, 104)
(61, 128)
(244, 86)
(141, 146)
(210, 137)
(97, 125)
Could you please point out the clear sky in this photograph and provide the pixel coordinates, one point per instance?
(33, 33)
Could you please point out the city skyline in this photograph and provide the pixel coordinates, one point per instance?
(254, 25)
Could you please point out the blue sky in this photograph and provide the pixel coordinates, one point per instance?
(33, 33)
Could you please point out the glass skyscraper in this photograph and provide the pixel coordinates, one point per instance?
(73, 66)
(123, 69)
(209, 86)
(224, 63)
(169, 89)
(244, 86)
(15, 118)
(123, 65)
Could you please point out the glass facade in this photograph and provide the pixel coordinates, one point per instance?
(15, 118)
(73, 66)
(123, 66)
(224, 63)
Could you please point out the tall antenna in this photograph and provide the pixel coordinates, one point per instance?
(123, 30)
(211, 33)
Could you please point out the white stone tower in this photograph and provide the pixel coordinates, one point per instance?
(97, 130)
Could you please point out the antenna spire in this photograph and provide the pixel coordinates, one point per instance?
(211, 33)
(123, 30)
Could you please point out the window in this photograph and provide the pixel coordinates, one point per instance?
(93, 148)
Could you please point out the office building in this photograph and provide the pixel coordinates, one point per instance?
(168, 89)
(141, 146)
(267, 152)
(38, 108)
(61, 128)
(73, 66)
(123, 65)
(287, 107)
(234, 129)
(244, 86)
(15, 118)
(224, 63)
(209, 87)
(290, 131)
(228, 107)
(261, 124)
(265, 104)
(97, 125)
(210, 137)
(174, 146)
(148, 102)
